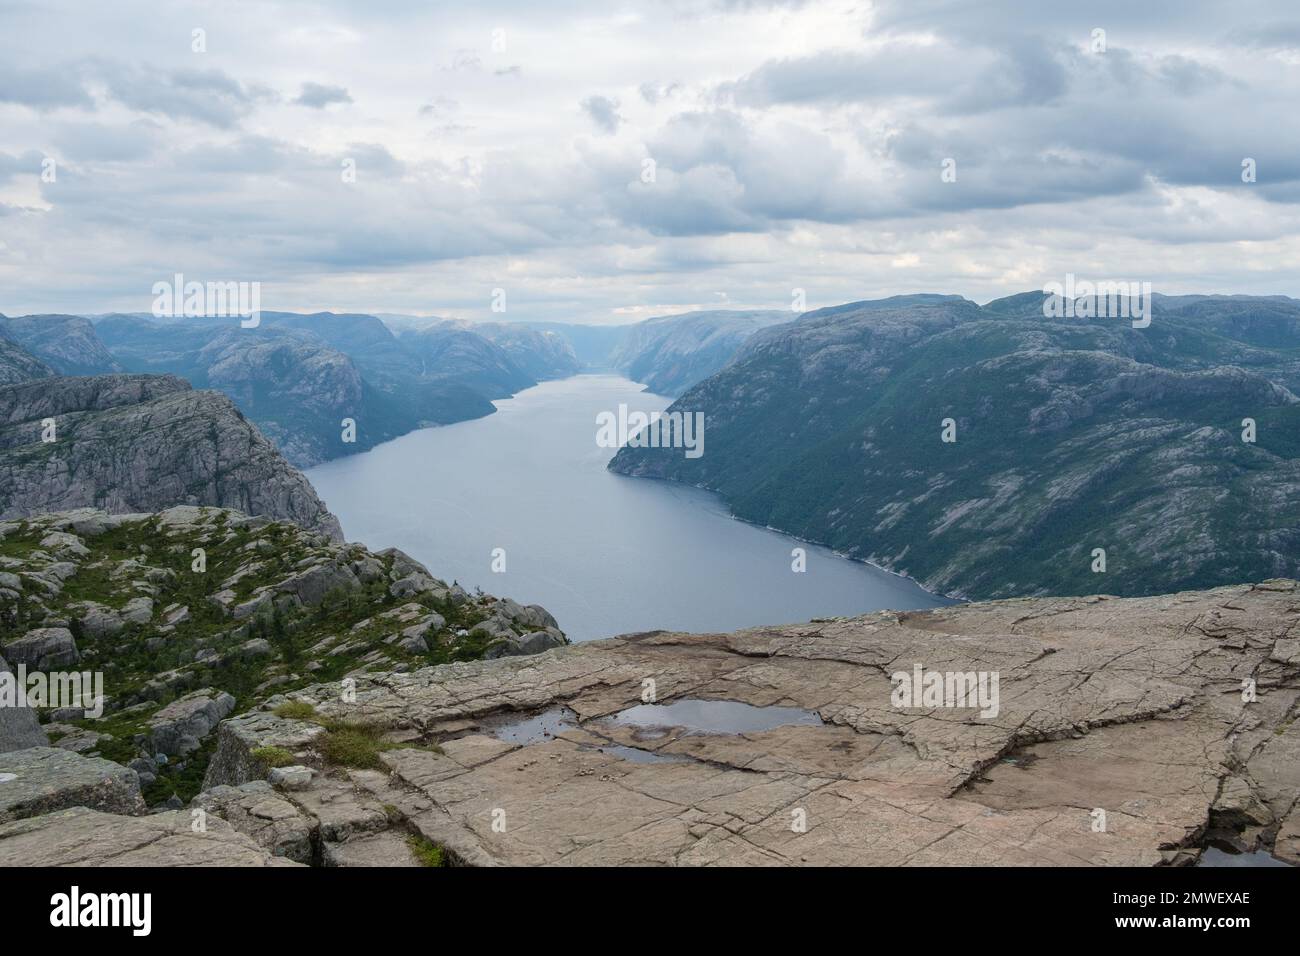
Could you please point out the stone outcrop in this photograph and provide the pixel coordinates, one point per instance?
(258, 811)
(19, 728)
(269, 608)
(41, 780)
(83, 837)
(243, 741)
(178, 728)
(44, 648)
(136, 443)
(1126, 732)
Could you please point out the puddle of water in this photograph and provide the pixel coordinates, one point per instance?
(651, 722)
(713, 717)
(1213, 856)
(514, 729)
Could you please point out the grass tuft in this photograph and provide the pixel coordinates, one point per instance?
(427, 852)
(274, 757)
(296, 710)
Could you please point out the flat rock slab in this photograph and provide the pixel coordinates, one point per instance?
(385, 849)
(45, 779)
(83, 837)
(1118, 725)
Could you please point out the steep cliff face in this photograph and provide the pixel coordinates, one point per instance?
(1068, 436)
(135, 443)
(298, 391)
(297, 388)
(671, 353)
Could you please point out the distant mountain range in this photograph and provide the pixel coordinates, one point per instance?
(671, 353)
(1072, 437)
(299, 376)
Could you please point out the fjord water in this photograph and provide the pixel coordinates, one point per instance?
(606, 554)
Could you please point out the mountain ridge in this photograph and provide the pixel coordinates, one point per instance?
(830, 428)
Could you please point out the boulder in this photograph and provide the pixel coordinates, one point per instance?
(386, 849)
(403, 563)
(42, 780)
(494, 628)
(175, 614)
(413, 584)
(257, 647)
(296, 777)
(179, 728)
(97, 620)
(534, 615)
(311, 586)
(76, 739)
(138, 610)
(44, 648)
(62, 543)
(19, 728)
(236, 759)
(534, 643)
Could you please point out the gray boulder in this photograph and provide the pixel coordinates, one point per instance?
(179, 727)
(19, 728)
(98, 620)
(534, 643)
(240, 739)
(311, 586)
(44, 648)
(41, 780)
(413, 584)
(403, 563)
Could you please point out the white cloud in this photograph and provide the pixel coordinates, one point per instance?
(794, 144)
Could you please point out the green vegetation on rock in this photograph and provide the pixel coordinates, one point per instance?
(180, 609)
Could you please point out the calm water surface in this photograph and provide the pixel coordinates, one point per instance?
(604, 553)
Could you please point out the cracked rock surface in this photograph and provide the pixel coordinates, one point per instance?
(40, 780)
(1122, 737)
(83, 837)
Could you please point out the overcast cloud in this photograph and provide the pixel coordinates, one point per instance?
(603, 162)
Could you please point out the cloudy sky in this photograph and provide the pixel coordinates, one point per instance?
(509, 145)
